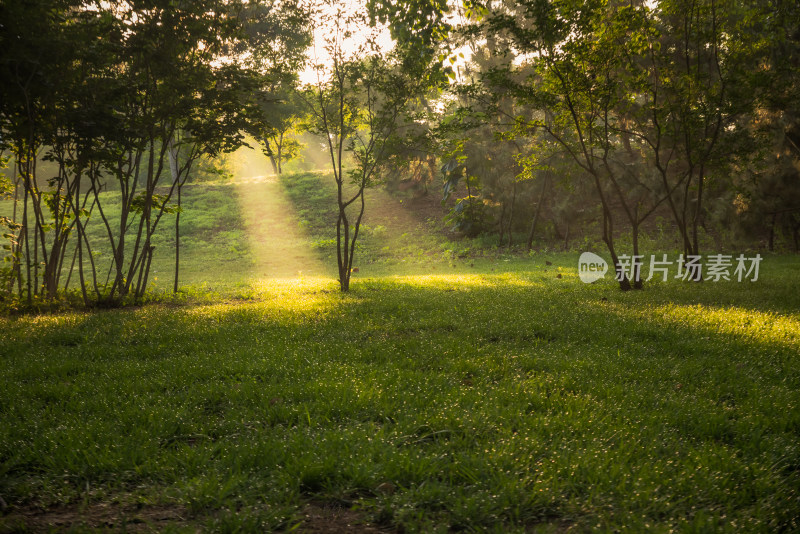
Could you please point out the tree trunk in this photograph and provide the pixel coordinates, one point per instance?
(637, 268)
(608, 238)
(16, 251)
(502, 226)
(177, 242)
(511, 215)
(771, 244)
(343, 249)
(173, 169)
(536, 214)
(81, 277)
(142, 289)
(698, 211)
(25, 233)
(280, 153)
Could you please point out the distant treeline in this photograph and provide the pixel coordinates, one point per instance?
(681, 117)
(539, 119)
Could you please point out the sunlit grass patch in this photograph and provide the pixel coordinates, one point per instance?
(281, 295)
(444, 281)
(767, 327)
(468, 281)
(505, 400)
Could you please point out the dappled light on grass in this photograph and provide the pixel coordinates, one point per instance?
(741, 323)
(499, 400)
(275, 297)
(466, 281)
(306, 294)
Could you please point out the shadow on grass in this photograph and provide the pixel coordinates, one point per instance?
(481, 400)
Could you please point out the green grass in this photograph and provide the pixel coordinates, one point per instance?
(443, 393)
(489, 401)
(390, 241)
(212, 234)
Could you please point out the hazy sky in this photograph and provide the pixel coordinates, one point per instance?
(325, 31)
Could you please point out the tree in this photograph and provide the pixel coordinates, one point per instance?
(356, 105)
(278, 37)
(646, 99)
(112, 114)
(37, 71)
(765, 198)
(575, 89)
(282, 116)
(693, 79)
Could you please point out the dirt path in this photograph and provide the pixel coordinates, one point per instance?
(279, 246)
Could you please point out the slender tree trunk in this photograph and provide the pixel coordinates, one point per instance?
(26, 232)
(96, 288)
(17, 248)
(356, 229)
(16, 274)
(37, 230)
(177, 242)
(35, 255)
(144, 274)
(608, 238)
(637, 268)
(771, 243)
(16, 199)
(71, 268)
(511, 215)
(342, 226)
(698, 211)
(81, 278)
(536, 214)
(138, 260)
(280, 153)
(502, 225)
(680, 222)
(176, 179)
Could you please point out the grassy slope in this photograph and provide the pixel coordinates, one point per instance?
(391, 239)
(505, 400)
(213, 233)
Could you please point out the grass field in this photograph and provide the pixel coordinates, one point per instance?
(442, 394)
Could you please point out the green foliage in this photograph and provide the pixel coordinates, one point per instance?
(151, 201)
(357, 106)
(165, 86)
(657, 105)
(468, 214)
